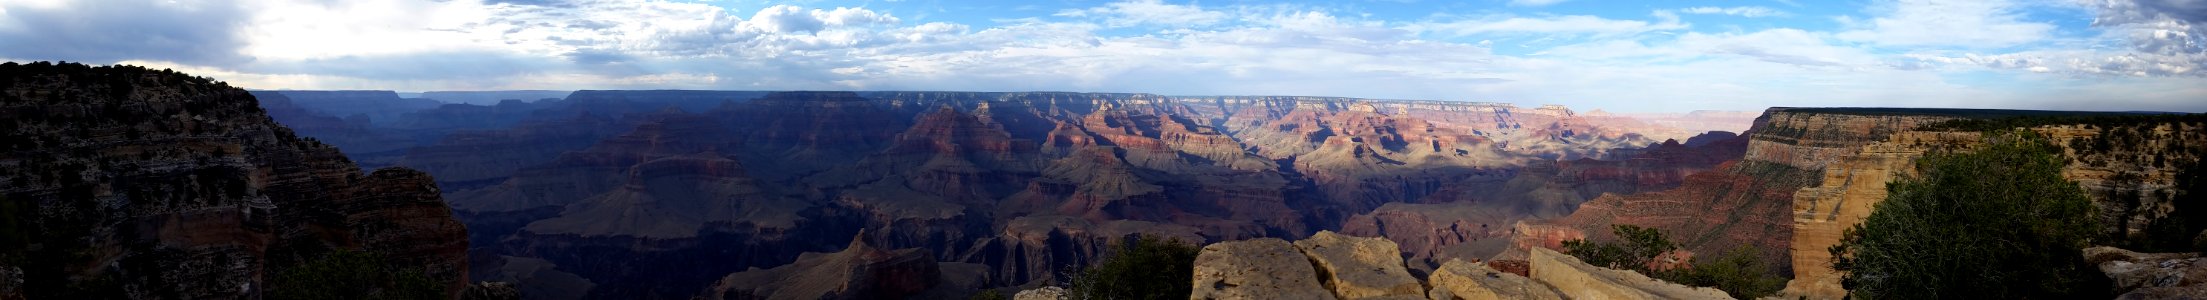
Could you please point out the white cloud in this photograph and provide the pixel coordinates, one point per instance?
(1535, 2)
(1743, 11)
(1939, 23)
(1148, 12)
(2167, 38)
(1574, 24)
(1593, 61)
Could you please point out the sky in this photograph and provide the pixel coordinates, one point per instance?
(1620, 56)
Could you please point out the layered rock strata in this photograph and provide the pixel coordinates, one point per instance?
(140, 183)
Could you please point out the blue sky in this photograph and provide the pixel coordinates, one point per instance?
(1625, 56)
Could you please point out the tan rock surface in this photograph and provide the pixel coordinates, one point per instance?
(2151, 275)
(1257, 268)
(1850, 187)
(1042, 293)
(1577, 280)
(1457, 279)
(1360, 267)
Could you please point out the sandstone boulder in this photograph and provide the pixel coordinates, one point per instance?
(1360, 267)
(1577, 280)
(1457, 279)
(2151, 275)
(1257, 268)
(1042, 293)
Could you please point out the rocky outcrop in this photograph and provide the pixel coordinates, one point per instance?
(860, 271)
(1256, 268)
(156, 184)
(2151, 275)
(1041, 293)
(1360, 267)
(1577, 280)
(1334, 266)
(1457, 279)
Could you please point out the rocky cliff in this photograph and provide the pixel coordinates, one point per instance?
(137, 183)
(1334, 266)
(2127, 166)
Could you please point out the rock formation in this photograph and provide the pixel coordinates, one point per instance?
(1359, 267)
(1457, 279)
(2151, 275)
(1256, 268)
(1334, 266)
(1577, 280)
(142, 183)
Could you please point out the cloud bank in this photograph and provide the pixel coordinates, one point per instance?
(2134, 55)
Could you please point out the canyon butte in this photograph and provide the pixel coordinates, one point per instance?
(125, 182)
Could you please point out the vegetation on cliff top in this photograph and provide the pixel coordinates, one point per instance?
(1996, 223)
(347, 274)
(1147, 267)
(1738, 272)
(2028, 121)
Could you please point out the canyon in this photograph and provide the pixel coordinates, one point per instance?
(138, 177)
(683, 188)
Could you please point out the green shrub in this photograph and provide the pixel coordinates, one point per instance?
(1147, 267)
(1737, 272)
(1996, 223)
(988, 294)
(348, 274)
(1639, 247)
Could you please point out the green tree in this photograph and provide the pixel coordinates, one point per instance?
(348, 274)
(1636, 248)
(1737, 272)
(1147, 267)
(1995, 223)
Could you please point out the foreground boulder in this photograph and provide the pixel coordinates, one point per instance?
(1360, 267)
(1258, 268)
(1457, 279)
(2151, 275)
(1578, 280)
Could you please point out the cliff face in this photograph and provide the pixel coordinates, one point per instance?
(2131, 180)
(1808, 139)
(139, 183)
(1844, 196)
